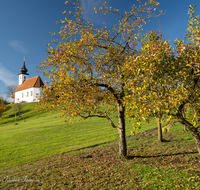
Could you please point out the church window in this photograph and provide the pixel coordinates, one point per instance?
(22, 94)
(31, 93)
(27, 94)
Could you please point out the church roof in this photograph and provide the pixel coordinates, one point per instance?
(29, 83)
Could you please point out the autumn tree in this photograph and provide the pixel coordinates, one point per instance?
(175, 73)
(3, 107)
(89, 61)
(152, 72)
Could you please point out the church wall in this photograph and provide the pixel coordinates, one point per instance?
(28, 95)
(37, 94)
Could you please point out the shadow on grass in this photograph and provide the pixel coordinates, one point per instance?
(23, 111)
(161, 155)
(164, 140)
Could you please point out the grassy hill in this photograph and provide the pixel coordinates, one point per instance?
(44, 134)
(85, 155)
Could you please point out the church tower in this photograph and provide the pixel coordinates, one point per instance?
(23, 75)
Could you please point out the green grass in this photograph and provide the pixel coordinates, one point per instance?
(44, 135)
(63, 156)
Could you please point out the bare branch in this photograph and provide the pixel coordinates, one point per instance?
(101, 116)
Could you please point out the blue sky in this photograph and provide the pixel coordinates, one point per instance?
(25, 27)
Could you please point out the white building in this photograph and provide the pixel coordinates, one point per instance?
(29, 90)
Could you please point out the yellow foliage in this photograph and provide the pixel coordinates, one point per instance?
(93, 68)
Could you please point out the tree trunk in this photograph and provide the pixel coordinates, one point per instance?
(23, 117)
(121, 130)
(197, 139)
(1, 116)
(159, 129)
(15, 119)
(194, 130)
(184, 115)
(185, 128)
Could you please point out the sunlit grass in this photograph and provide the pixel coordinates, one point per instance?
(85, 155)
(173, 164)
(44, 135)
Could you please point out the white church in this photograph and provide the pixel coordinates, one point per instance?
(29, 90)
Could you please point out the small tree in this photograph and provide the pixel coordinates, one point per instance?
(176, 75)
(89, 59)
(3, 107)
(17, 108)
(150, 73)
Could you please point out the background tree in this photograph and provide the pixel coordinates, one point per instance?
(3, 107)
(17, 108)
(176, 73)
(149, 91)
(10, 90)
(89, 61)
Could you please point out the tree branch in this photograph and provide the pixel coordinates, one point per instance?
(101, 116)
(111, 122)
(109, 88)
(171, 124)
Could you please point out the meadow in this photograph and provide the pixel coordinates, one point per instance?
(44, 152)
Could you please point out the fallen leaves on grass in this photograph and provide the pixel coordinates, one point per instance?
(150, 165)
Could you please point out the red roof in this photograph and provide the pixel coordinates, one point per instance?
(29, 83)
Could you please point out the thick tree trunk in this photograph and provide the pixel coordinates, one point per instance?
(159, 129)
(121, 130)
(197, 139)
(184, 116)
(194, 131)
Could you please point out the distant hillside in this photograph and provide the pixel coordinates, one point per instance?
(27, 111)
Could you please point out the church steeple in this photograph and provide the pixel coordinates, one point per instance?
(23, 74)
(24, 70)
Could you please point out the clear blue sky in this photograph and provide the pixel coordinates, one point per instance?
(25, 27)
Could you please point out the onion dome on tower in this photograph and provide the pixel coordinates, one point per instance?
(24, 70)
(23, 75)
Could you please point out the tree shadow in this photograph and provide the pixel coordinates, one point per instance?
(164, 140)
(13, 114)
(161, 155)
